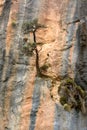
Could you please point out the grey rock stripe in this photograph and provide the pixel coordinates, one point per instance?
(70, 18)
(35, 104)
(6, 10)
(63, 119)
(69, 120)
(3, 25)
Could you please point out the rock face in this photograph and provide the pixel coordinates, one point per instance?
(29, 101)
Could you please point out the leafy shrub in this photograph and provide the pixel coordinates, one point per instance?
(72, 96)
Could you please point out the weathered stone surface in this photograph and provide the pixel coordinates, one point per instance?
(27, 101)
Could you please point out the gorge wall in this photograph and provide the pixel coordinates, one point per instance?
(27, 101)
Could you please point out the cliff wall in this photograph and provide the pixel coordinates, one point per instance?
(28, 101)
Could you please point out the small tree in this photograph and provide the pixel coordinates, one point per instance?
(32, 27)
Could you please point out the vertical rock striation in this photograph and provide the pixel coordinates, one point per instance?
(29, 101)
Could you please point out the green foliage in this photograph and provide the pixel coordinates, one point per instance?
(31, 26)
(28, 48)
(67, 107)
(44, 67)
(63, 100)
(14, 24)
(72, 95)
